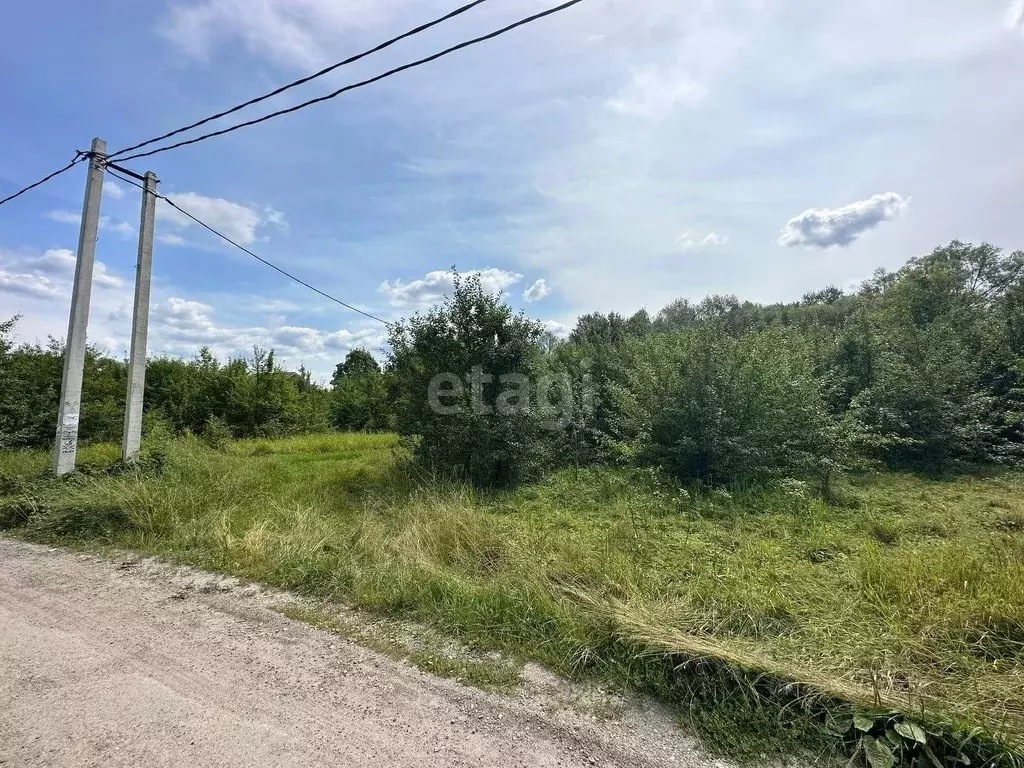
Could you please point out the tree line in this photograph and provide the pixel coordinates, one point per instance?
(921, 367)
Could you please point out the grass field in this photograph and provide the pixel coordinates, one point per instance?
(765, 617)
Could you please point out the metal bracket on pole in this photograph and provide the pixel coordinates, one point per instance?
(132, 441)
(66, 447)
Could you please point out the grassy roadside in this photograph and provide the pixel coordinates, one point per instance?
(767, 617)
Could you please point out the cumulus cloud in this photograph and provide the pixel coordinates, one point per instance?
(172, 239)
(107, 224)
(113, 189)
(31, 285)
(555, 328)
(689, 241)
(122, 228)
(65, 217)
(1015, 15)
(436, 285)
(539, 290)
(182, 326)
(239, 222)
(829, 227)
(49, 274)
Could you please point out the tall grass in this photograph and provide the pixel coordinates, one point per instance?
(909, 597)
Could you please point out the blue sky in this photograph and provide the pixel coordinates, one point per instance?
(625, 153)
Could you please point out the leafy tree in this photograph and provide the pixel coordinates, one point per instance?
(453, 370)
(705, 406)
(360, 401)
(358, 362)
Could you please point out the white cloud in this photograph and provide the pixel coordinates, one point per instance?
(41, 283)
(538, 291)
(828, 227)
(298, 33)
(172, 239)
(555, 328)
(655, 92)
(275, 218)
(49, 274)
(33, 286)
(181, 326)
(436, 285)
(56, 261)
(113, 189)
(65, 217)
(122, 228)
(102, 276)
(1015, 14)
(689, 242)
(237, 221)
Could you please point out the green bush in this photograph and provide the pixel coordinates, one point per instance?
(706, 406)
(470, 331)
(216, 434)
(359, 400)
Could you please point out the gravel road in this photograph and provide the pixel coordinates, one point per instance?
(114, 664)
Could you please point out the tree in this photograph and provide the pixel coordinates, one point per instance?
(706, 406)
(359, 401)
(460, 374)
(358, 362)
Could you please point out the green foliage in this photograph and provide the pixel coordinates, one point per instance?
(945, 380)
(923, 367)
(358, 362)
(920, 368)
(705, 406)
(360, 400)
(247, 397)
(474, 339)
(30, 389)
(216, 433)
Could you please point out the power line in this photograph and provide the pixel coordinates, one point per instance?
(258, 258)
(68, 167)
(364, 83)
(304, 80)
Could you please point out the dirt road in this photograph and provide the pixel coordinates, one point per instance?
(118, 665)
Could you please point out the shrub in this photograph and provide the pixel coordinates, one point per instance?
(706, 406)
(471, 331)
(359, 400)
(216, 434)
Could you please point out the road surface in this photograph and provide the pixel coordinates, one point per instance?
(104, 664)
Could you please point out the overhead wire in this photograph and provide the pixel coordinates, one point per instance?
(361, 84)
(258, 258)
(302, 81)
(78, 158)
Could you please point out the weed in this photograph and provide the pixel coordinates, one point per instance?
(759, 613)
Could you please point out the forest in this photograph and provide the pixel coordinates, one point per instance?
(920, 368)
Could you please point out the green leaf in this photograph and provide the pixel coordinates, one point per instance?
(878, 754)
(911, 732)
(840, 727)
(863, 722)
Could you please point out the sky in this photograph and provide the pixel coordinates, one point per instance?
(616, 156)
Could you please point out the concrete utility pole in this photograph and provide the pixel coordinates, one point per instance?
(74, 352)
(140, 324)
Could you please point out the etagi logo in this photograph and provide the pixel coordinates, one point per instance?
(557, 399)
